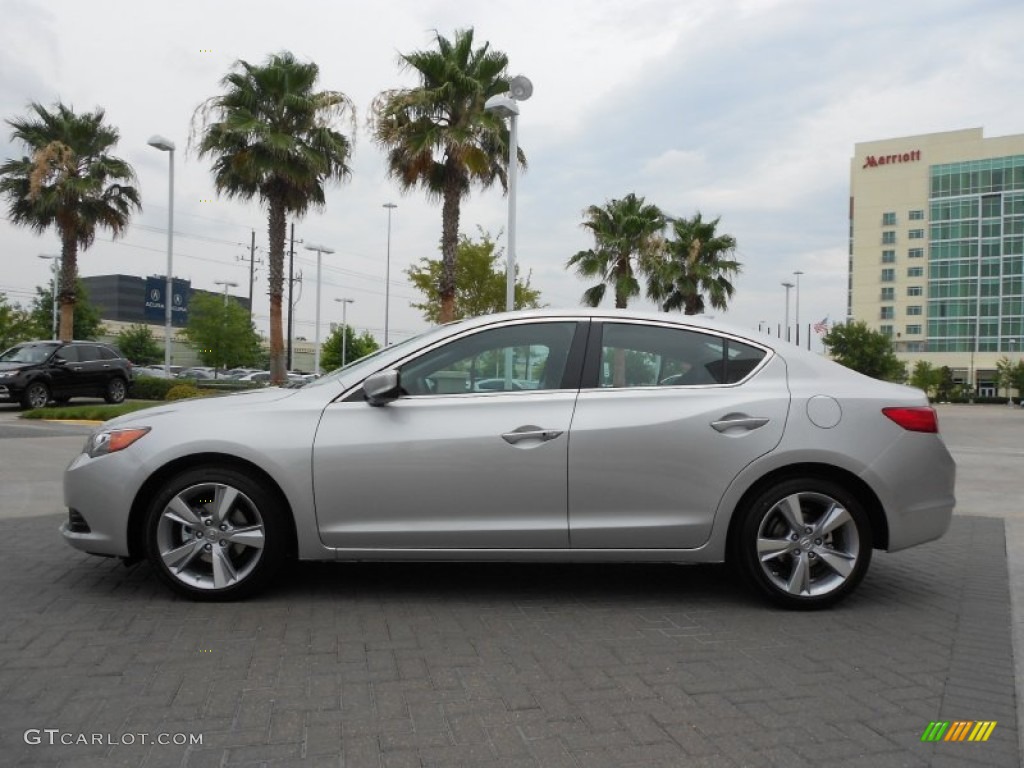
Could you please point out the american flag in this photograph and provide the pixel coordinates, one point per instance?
(821, 327)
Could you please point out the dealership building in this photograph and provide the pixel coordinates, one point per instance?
(937, 248)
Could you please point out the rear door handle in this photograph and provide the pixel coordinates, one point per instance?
(530, 432)
(739, 421)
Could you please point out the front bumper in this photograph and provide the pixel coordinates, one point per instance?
(101, 492)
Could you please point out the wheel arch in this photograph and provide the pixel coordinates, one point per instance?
(855, 485)
(137, 516)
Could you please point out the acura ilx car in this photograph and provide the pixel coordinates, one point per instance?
(620, 437)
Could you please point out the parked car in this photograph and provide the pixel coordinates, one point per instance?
(36, 372)
(647, 438)
(195, 373)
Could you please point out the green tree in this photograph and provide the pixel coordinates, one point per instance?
(628, 244)
(438, 136)
(479, 280)
(221, 332)
(87, 321)
(71, 182)
(272, 136)
(944, 389)
(927, 377)
(1004, 374)
(137, 343)
(698, 267)
(355, 347)
(866, 351)
(1017, 379)
(15, 324)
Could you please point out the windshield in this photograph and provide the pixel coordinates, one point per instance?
(28, 353)
(366, 361)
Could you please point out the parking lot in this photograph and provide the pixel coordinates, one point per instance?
(510, 665)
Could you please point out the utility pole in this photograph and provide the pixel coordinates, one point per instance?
(252, 269)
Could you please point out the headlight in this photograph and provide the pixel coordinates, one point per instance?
(113, 440)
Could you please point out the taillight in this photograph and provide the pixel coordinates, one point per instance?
(921, 419)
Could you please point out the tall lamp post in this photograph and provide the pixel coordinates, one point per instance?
(798, 273)
(344, 328)
(166, 145)
(227, 284)
(787, 285)
(320, 250)
(387, 276)
(53, 290)
(520, 89)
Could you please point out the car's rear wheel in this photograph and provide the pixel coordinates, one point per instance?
(216, 534)
(117, 389)
(36, 395)
(804, 542)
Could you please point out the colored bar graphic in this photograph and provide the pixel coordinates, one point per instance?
(959, 730)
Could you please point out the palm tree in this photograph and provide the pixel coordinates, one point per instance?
(698, 268)
(627, 244)
(275, 138)
(439, 137)
(69, 182)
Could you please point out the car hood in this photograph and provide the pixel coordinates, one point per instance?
(5, 367)
(196, 407)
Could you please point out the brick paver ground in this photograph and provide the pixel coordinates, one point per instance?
(505, 665)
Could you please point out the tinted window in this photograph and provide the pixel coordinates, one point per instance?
(108, 353)
(69, 354)
(89, 352)
(652, 356)
(513, 358)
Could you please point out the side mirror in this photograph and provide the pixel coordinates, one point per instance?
(382, 387)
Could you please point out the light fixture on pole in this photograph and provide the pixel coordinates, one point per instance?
(344, 328)
(320, 250)
(787, 285)
(520, 89)
(387, 274)
(227, 284)
(798, 273)
(166, 145)
(53, 290)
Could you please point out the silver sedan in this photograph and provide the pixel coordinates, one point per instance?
(636, 438)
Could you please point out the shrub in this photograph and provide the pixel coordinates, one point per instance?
(151, 388)
(182, 391)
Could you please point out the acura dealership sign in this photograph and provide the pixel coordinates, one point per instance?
(155, 288)
(873, 161)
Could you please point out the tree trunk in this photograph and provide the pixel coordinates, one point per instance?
(449, 246)
(276, 232)
(68, 283)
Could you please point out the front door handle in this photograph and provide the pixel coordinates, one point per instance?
(739, 421)
(530, 432)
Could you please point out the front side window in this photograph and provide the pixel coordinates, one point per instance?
(69, 354)
(654, 356)
(531, 356)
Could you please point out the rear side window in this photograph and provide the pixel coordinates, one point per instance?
(89, 352)
(108, 353)
(654, 356)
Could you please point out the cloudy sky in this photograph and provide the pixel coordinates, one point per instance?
(746, 110)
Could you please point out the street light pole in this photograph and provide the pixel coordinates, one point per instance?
(227, 284)
(320, 250)
(53, 290)
(787, 285)
(798, 273)
(166, 145)
(387, 276)
(344, 328)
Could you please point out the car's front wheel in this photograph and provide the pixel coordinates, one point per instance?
(117, 389)
(36, 395)
(804, 542)
(216, 534)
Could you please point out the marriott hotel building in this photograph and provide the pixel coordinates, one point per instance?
(937, 248)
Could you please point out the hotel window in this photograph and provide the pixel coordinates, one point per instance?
(889, 219)
(913, 290)
(915, 234)
(888, 294)
(917, 215)
(888, 238)
(915, 271)
(913, 330)
(888, 275)
(914, 309)
(915, 253)
(888, 257)
(887, 313)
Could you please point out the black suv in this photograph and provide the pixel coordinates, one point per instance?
(39, 371)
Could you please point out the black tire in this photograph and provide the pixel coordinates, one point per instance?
(117, 390)
(248, 533)
(36, 395)
(804, 542)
